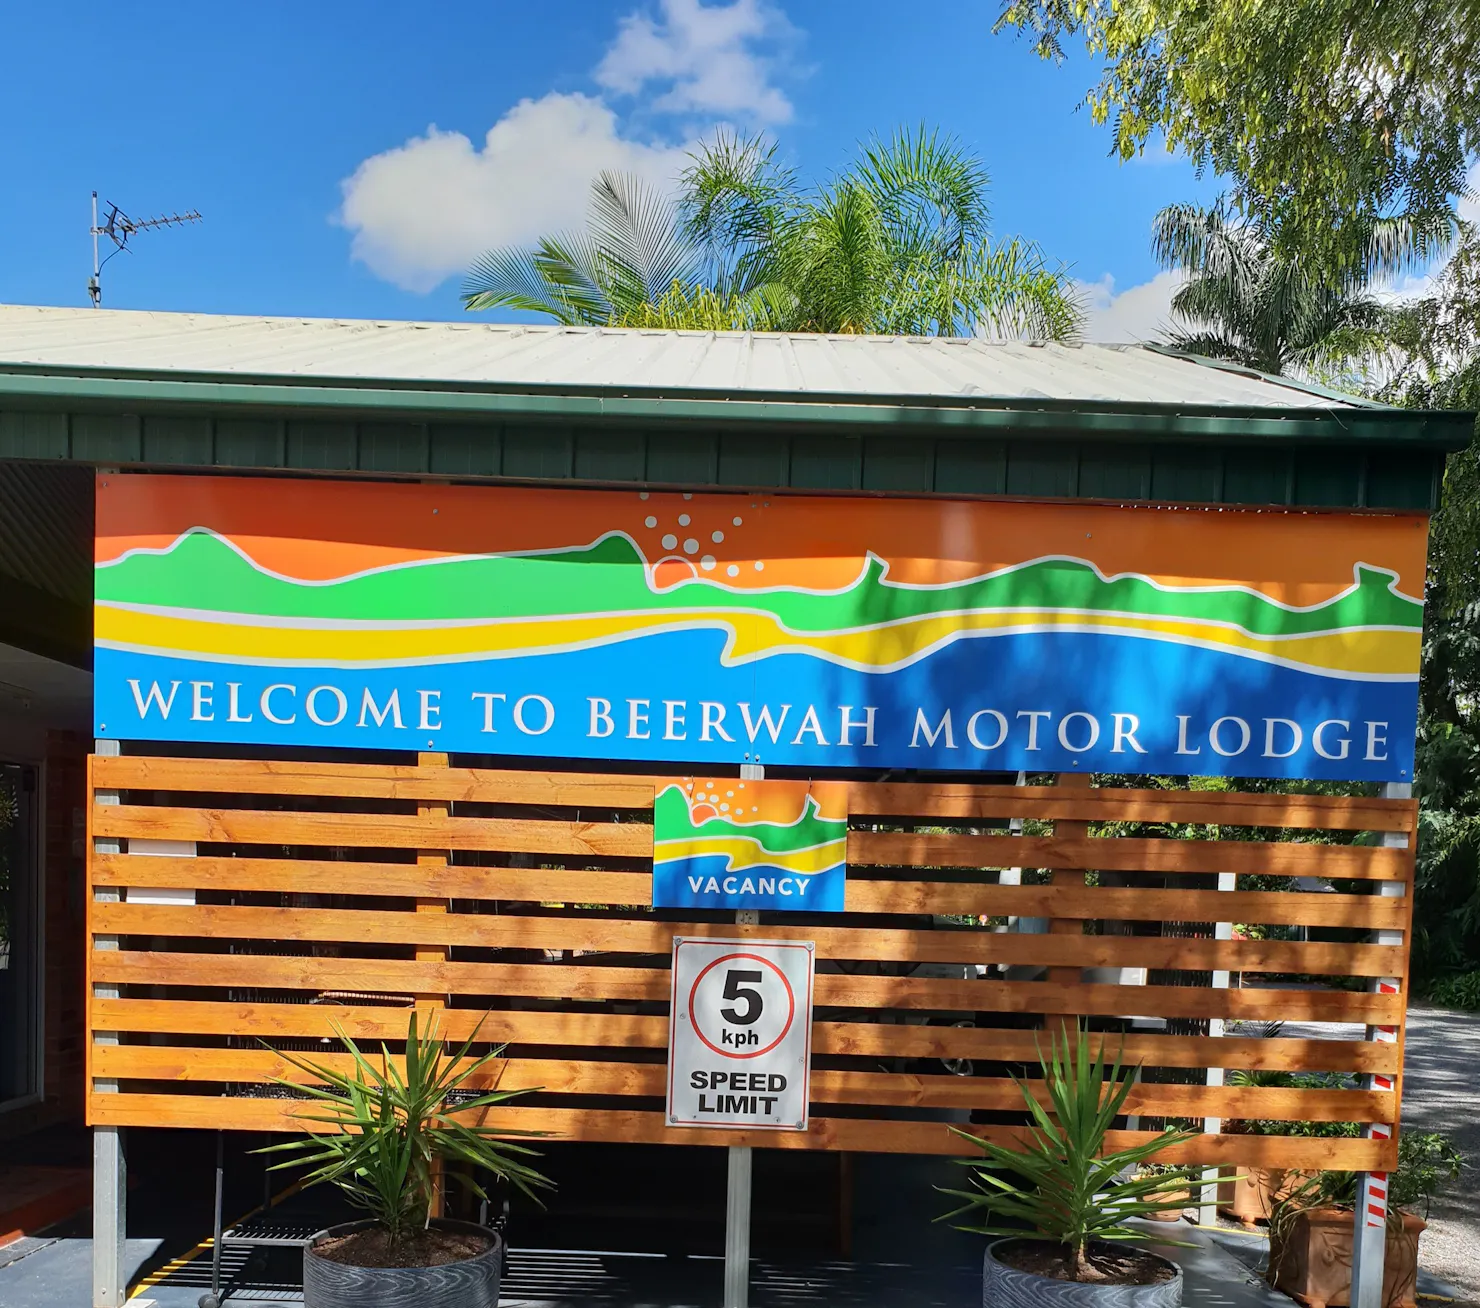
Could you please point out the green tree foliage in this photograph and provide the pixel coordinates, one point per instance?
(1246, 301)
(899, 243)
(1432, 360)
(1320, 111)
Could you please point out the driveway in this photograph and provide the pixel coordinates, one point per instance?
(1441, 1092)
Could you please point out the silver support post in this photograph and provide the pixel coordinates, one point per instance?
(737, 1229)
(1369, 1243)
(110, 1170)
(737, 1190)
(1207, 1208)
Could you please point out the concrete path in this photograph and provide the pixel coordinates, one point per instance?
(1441, 1092)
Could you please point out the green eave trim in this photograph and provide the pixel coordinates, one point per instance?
(947, 416)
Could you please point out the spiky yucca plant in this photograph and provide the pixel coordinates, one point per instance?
(385, 1129)
(1060, 1183)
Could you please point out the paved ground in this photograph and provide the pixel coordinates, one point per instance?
(56, 1276)
(1441, 1092)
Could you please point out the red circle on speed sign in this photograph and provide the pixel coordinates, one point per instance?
(791, 1006)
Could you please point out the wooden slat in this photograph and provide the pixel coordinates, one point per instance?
(913, 898)
(611, 1077)
(865, 848)
(1076, 850)
(373, 781)
(1117, 804)
(229, 826)
(579, 983)
(1101, 903)
(855, 1135)
(647, 936)
(332, 877)
(900, 799)
(863, 1038)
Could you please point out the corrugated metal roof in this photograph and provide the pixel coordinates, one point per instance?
(481, 353)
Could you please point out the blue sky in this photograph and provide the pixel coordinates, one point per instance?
(351, 159)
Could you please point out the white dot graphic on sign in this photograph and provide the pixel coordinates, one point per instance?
(741, 1006)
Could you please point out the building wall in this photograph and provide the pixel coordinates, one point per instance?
(63, 759)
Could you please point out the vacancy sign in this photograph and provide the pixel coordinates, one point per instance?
(740, 1037)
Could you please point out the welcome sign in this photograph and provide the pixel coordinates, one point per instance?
(789, 630)
(780, 845)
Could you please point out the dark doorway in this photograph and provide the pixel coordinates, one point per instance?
(20, 937)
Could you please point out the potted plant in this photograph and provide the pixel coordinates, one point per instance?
(1176, 1191)
(1311, 1230)
(1074, 1199)
(382, 1137)
(1252, 1197)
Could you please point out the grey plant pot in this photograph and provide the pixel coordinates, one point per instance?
(472, 1283)
(1006, 1287)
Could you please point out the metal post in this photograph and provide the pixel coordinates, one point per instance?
(1369, 1243)
(737, 1229)
(1207, 1208)
(110, 1171)
(737, 1190)
(216, 1223)
(94, 285)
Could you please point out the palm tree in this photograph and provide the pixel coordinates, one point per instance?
(898, 244)
(1246, 302)
(630, 255)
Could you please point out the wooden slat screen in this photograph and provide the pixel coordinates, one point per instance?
(307, 901)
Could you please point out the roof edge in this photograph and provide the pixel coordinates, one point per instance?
(953, 415)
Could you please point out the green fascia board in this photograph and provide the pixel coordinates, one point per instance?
(854, 414)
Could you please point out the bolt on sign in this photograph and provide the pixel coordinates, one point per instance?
(728, 844)
(740, 1034)
(729, 629)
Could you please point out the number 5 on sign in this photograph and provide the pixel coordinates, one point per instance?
(740, 1034)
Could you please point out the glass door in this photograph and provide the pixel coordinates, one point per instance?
(20, 936)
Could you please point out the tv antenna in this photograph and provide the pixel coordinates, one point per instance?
(118, 227)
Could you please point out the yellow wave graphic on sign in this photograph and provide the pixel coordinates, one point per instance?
(743, 854)
(1386, 653)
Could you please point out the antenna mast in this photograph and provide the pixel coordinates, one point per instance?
(118, 227)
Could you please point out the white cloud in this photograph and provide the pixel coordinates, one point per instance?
(707, 57)
(425, 210)
(1139, 313)
(1469, 206)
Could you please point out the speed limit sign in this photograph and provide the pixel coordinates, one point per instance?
(740, 1036)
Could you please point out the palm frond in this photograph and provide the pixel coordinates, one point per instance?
(384, 1127)
(1059, 1180)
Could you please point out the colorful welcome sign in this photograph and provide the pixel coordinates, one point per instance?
(750, 844)
(722, 628)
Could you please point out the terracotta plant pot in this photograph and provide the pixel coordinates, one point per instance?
(1316, 1266)
(1171, 1214)
(1006, 1287)
(471, 1283)
(1250, 1198)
